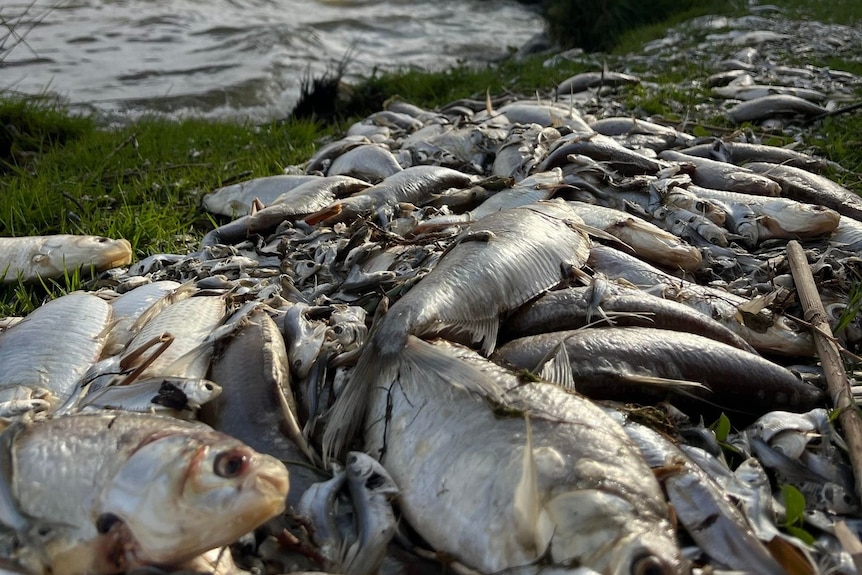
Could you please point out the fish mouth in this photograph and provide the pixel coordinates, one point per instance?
(119, 255)
(272, 480)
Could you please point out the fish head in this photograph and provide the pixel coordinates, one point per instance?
(180, 494)
(609, 534)
(66, 251)
(368, 473)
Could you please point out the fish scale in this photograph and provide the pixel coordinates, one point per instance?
(58, 363)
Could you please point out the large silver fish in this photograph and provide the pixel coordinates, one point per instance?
(49, 257)
(497, 264)
(108, 493)
(545, 477)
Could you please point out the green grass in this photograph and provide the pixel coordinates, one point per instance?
(63, 174)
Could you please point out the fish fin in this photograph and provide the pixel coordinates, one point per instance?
(489, 108)
(672, 384)
(428, 359)
(345, 418)
(526, 497)
(324, 214)
(482, 330)
(558, 369)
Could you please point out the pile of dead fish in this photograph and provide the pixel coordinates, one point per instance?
(482, 338)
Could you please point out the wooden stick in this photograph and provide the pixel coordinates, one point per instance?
(836, 378)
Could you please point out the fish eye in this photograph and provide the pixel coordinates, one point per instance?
(230, 464)
(101, 240)
(208, 386)
(648, 565)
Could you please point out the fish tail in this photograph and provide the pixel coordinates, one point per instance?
(347, 415)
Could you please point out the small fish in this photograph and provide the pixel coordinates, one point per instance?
(371, 490)
(49, 257)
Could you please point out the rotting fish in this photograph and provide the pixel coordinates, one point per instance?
(723, 176)
(545, 477)
(803, 186)
(256, 404)
(773, 105)
(605, 302)
(618, 363)
(647, 240)
(741, 153)
(371, 491)
(711, 519)
(602, 149)
(497, 264)
(32, 354)
(32, 258)
(236, 199)
(166, 395)
(411, 185)
(371, 162)
(767, 332)
(156, 491)
(585, 80)
(776, 217)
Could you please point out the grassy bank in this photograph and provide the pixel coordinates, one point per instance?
(143, 182)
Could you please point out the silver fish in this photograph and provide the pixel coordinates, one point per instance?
(153, 492)
(498, 263)
(30, 258)
(554, 478)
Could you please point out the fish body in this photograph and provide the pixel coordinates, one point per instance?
(647, 240)
(236, 199)
(153, 491)
(32, 355)
(773, 334)
(768, 106)
(49, 257)
(723, 176)
(498, 263)
(613, 304)
(565, 485)
(616, 363)
(803, 186)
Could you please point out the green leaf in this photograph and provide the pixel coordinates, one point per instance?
(801, 534)
(794, 505)
(721, 428)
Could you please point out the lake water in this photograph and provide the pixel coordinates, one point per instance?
(238, 57)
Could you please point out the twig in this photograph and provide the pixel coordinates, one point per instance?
(831, 113)
(836, 378)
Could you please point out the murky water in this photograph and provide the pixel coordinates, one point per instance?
(238, 57)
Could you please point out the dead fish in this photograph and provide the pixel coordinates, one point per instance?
(615, 363)
(767, 332)
(155, 490)
(236, 199)
(256, 404)
(771, 106)
(646, 240)
(32, 354)
(559, 480)
(602, 149)
(371, 162)
(497, 264)
(32, 258)
(722, 176)
(741, 153)
(411, 185)
(775, 217)
(585, 80)
(162, 394)
(625, 126)
(719, 528)
(371, 490)
(299, 201)
(809, 188)
(322, 158)
(613, 304)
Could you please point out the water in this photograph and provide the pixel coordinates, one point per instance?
(238, 57)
